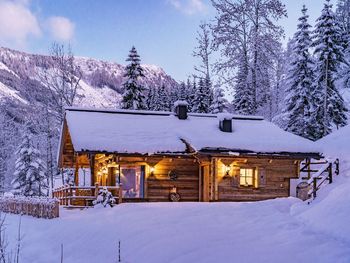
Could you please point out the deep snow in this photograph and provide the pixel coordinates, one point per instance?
(180, 232)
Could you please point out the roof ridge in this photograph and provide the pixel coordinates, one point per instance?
(159, 113)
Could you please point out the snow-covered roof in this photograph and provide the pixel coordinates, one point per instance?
(143, 132)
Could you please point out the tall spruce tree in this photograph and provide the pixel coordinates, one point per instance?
(329, 56)
(243, 97)
(133, 96)
(200, 102)
(300, 102)
(163, 103)
(219, 103)
(191, 88)
(29, 176)
(343, 20)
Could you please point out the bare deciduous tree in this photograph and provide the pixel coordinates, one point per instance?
(62, 78)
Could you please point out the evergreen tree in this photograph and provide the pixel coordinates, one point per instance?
(200, 102)
(329, 56)
(300, 101)
(182, 92)
(219, 103)
(152, 98)
(243, 98)
(191, 88)
(133, 96)
(343, 20)
(29, 176)
(208, 90)
(163, 103)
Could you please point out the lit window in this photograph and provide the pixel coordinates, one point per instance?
(246, 177)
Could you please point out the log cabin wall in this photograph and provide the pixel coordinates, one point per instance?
(271, 178)
(187, 182)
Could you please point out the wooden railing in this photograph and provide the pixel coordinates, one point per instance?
(325, 173)
(84, 195)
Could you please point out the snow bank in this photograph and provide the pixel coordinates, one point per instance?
(178, 233)
(337, 144)
(329, 213)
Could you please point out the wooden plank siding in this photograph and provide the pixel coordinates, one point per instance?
(198, 179)
(187, 182)
(271, 179)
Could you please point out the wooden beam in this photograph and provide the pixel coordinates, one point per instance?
(92, 169)
(76, 171)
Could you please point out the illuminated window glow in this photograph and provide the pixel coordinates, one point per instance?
(246, 177)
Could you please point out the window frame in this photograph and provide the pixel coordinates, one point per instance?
(252, 185)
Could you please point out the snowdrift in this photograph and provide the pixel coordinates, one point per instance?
(330, 212)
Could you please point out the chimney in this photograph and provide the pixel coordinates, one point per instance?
(181, 109)
(225, 122)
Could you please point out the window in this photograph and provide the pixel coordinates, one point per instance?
(246, 177)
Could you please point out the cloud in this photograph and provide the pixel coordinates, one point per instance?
(189, 7)
(61, 28)
(17, 23)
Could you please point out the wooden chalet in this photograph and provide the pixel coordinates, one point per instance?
(180, 156)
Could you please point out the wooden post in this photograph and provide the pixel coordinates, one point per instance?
(308, 161)
(76, 171)
(66, 195)
(70, 191)
(120, 194)
(97, 186)
(330, 173)
(92, 169)
(314, 187)
(336, 162)
(206, 178)
(200, 183)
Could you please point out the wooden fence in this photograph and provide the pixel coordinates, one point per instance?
(82, 196)
(320, 176)
(40, 207)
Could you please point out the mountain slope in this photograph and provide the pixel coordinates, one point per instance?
(100, 85)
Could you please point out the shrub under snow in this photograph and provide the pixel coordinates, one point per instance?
(104, 198)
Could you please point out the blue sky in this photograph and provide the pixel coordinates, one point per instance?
(163, 31)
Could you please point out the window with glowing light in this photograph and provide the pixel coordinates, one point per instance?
(246, 177)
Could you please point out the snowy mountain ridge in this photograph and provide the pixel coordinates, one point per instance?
(100, 84)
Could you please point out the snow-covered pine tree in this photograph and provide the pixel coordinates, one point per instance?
(208, 89)
(343, 20)
(243, 97)
(329, 56)
(8, 134)
(191, 88)
(200, 102)
(29, 176)
(163, 103)
(219, 103)
(133, 96)
(300, 102)
(152, 98)
(182, 92)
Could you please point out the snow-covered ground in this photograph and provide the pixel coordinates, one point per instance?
(182, 232)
